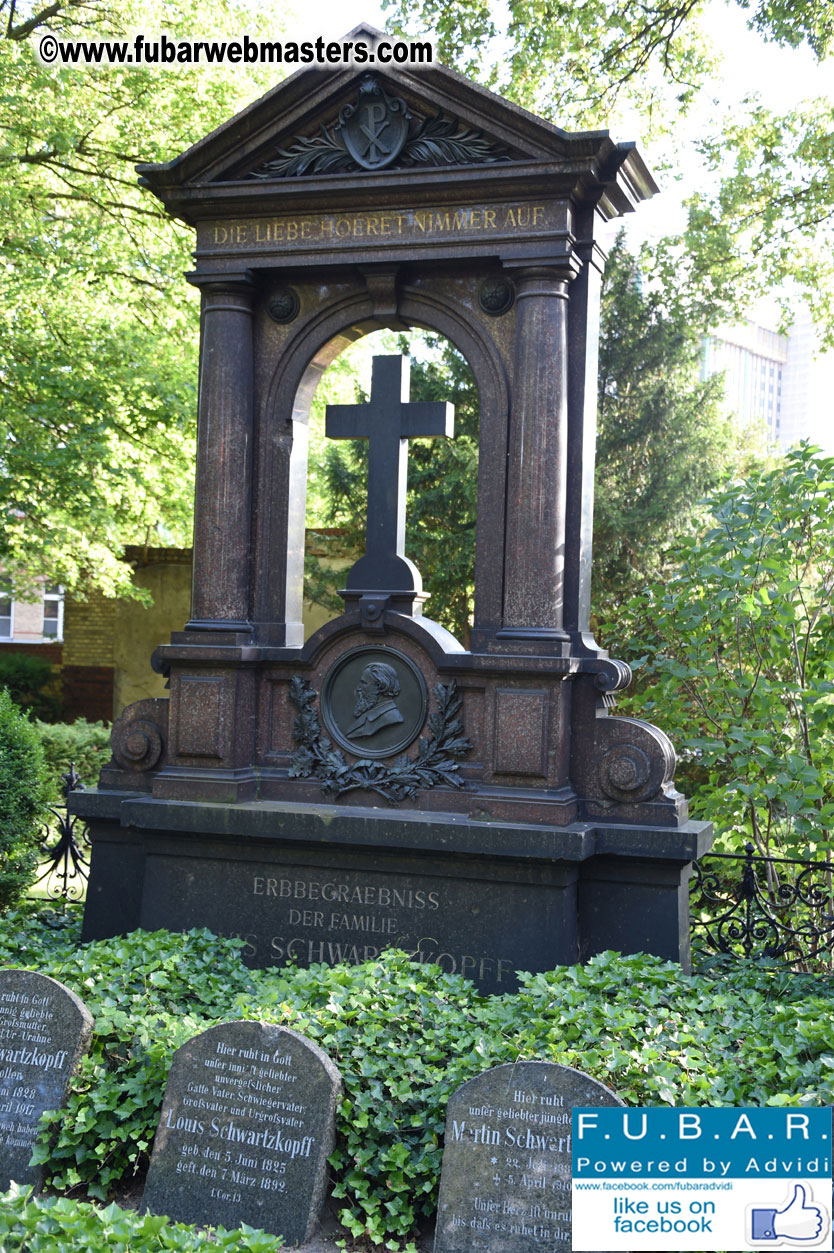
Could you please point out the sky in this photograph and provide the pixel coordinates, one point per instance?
(332, 18)
(781, 77)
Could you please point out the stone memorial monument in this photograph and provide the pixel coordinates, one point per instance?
(246, 1128)
(505, 1184)
(381, 785)
(44, 1032)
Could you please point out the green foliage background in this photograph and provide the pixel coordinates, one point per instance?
(98, 330)
(39, 1224)
(738, 658)
(23, 797)
(663, 438)
(32, 683)
(86, 745)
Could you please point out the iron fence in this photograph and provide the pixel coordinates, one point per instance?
(741, 904)
(750, 905)
(65, 867)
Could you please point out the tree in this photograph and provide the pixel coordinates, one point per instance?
(569, 62)
(98, 330)
(766, 212)
(23, 800)
(739, 658)
(575, 62)
(662, 443)
(768, 217)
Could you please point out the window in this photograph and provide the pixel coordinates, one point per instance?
(53, 612)
(5, 611)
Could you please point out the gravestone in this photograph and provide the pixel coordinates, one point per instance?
(505, 1184)
(380, 785)
(44, 1031)
(246, 1127)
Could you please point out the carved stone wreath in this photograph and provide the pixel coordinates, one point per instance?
(437, 141)
(436, 760)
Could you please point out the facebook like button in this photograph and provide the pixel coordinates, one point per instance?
(702, 1179)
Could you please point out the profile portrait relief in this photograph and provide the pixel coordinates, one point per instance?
(376, 705)
(374, 701)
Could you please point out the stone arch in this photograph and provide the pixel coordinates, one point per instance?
(568, 833)
(281, 440)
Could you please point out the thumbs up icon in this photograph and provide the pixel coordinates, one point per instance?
(797, 1221)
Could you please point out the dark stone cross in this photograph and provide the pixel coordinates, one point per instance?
(387, 422)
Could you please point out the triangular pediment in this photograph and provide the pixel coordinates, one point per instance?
(368, 122)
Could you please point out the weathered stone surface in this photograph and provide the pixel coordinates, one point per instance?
(320, 883)
(505, 1185)
(44, 1031)
(483, 224)
(246, 1128)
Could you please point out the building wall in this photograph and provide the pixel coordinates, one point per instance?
(752, 359)
(138, 629)
(88, 630)
(87, 676)
(50, 652)
(24, 631)
(28, 621)
(24, 621)
(108, 643)
(808, 388)
(781, 380)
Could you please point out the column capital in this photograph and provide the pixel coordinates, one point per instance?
(593, 252)
(562, 266)
(223, 282)
(541, 281)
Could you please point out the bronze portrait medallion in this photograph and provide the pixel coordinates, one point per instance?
(374, 702)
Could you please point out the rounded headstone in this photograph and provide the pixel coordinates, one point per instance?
(44, 1031)
(505, 1185)
(246, 1128)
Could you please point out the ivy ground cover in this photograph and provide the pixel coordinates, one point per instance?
(404, 1036)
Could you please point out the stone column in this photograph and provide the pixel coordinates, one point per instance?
(534, 558)
(583, 364)
(223, 497)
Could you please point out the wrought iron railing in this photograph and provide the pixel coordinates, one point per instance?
(749, 905)
(741, 904)
(66, 861)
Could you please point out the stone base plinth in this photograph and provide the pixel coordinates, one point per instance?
(310, 883)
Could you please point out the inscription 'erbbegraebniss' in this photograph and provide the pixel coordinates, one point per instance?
(348, 920)
(245, 1130)
(291, 912)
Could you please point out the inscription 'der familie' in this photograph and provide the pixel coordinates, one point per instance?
(339, 921)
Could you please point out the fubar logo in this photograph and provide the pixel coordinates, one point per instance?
(709, 1179)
